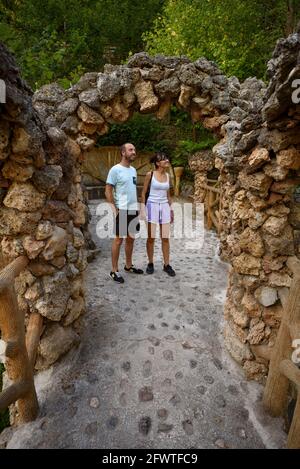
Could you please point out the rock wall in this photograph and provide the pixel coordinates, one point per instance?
(43, 213)
(259, 160)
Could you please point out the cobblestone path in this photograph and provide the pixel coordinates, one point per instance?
(151, 370)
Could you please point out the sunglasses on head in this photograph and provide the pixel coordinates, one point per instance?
(162, 158)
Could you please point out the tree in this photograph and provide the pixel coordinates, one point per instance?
(239, 35)
(293, 7)
(58, 41)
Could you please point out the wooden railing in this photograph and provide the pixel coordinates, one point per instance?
(282, 369)
(212, 204)
(19, 352)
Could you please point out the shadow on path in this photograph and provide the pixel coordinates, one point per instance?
(151, 370)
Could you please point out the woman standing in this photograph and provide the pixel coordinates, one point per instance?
(158, 210)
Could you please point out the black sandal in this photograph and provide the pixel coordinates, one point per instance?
(116, 277)
(133, 270)
(169, 270)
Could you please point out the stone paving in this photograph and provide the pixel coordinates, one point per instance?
(151, 370)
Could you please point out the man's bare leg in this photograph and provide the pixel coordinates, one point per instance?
(128, 251)
(115, 253)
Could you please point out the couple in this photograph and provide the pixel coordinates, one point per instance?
(121, 193)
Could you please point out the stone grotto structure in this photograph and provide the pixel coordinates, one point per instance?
(44, 216)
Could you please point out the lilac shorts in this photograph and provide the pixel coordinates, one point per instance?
(158, 213)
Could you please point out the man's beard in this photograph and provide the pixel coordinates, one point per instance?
(130, 159)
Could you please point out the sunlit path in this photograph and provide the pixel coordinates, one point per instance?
(151, 370)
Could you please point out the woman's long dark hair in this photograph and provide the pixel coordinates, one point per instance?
(159, 156)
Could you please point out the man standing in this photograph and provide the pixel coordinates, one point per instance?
(121, 193)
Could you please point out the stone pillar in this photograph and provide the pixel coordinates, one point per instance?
(41, 215)
(261, 216)
(200, 163)
(258, 220)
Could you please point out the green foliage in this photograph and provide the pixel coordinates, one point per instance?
(48, 61)
(240, 36)
(4, 416)
(142, 130)
(297, 194)
(59, 41)
(186, 148)
(177, 136)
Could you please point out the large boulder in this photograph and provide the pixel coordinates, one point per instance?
(55, 342)
(250, 241)
(24, 197)
(238, 350)
(13, 222)
(259, 182)
(266, 296)
(146, 97)
(56, 295)
(247, 264)
(47, 179)
(56, 244)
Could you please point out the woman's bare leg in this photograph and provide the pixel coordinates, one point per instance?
(165, 242)
(151, 241)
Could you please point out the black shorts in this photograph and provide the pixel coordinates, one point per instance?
(127, 223)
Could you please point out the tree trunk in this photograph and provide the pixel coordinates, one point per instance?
(291, 17)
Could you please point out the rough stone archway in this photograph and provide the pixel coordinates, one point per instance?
(43, 213)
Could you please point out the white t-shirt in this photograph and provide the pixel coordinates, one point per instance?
(124, 181)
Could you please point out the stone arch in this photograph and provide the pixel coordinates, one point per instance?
(145, 85)
(43, 213)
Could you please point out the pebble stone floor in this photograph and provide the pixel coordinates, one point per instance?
(151, 370)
